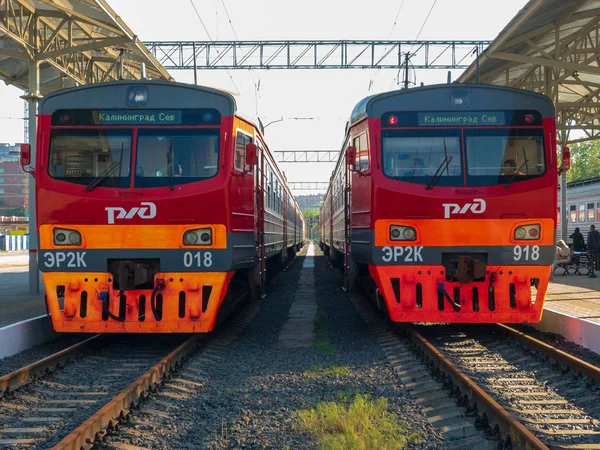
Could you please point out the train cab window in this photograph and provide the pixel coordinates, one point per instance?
(361, 162)
(581, 213)
(166, 157)
(81, 156)
(590, 212)
(420, 156)
(572, 213)
(499, 156)
(241, 140)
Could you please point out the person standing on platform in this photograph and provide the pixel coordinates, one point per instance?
(578, 241)
(593, 245)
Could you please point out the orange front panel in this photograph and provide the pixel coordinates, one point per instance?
(194, 320)
(455, 232)
(418, 295)
(132, 236)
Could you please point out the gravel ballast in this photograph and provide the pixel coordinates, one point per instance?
(246, 394)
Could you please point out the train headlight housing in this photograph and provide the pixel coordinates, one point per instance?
(62, 236)
(200, 236)
(402, 233)
(527, 232)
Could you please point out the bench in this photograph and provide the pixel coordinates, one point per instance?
(579, 260)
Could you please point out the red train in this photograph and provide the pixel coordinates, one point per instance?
(442, 205)
(159, 207)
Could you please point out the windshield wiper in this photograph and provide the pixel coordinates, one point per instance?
(170, 165)
(438, 173)
(514, 176)
(103, 176)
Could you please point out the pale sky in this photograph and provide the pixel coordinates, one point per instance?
(326, 96)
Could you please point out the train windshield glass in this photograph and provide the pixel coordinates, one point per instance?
(82, 156)
(175, 156)
(501, 156)
(417, 156)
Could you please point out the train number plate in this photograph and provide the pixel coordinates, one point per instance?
(197, 259)
(526, 252)
(64, 260)
(402, 254)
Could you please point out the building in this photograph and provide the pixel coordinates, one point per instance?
(13, 182)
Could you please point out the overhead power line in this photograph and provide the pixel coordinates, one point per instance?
(211, 39)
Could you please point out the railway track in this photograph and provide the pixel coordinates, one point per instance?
(493, 387)
(71, 398)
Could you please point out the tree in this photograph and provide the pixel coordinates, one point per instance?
(585, 161)
(18, 211)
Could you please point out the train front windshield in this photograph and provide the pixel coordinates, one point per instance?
(83, 150)
(459, 156)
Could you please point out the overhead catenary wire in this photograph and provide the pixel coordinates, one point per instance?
(212, 40)
(256, 85)
(389, 37)
(397, 77)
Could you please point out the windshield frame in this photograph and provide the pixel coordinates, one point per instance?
(507, 132)
(145, 182)
(426, 132)
(111, 181)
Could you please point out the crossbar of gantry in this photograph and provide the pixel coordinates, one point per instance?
(308, 185)
(315, 54)
(304, 156)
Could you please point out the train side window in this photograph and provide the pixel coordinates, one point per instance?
(241, 140)
(361, 161)
(590, 212)
(581, 215)
(573, 213)
(598, 211)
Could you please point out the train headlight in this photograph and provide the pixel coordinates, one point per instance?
(527, 232)
(401, 233)
(62, 236)
(200, 236)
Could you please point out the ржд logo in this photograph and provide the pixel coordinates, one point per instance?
(147, 210)
(477, 207)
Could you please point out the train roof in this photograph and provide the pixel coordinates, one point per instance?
(585, 182)
(94, 96)
(415, 98)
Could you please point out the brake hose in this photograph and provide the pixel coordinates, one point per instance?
(104, 298)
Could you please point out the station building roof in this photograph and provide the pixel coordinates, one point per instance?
(74, 41)
(551, 47)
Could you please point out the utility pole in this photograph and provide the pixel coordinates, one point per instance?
(406, 59)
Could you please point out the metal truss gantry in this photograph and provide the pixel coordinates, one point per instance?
(342, 54)
(303, 156)
(308, 185)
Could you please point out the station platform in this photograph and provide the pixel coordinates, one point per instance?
(572, 309)
(16, 304)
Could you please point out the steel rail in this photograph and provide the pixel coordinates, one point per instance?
(89, 433)
(20, 377)
(520, 436)
(570, 361)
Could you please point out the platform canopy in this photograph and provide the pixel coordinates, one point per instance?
(82, 41)
(552, 47)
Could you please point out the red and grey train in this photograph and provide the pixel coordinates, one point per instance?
(159, 207)
(442, 205)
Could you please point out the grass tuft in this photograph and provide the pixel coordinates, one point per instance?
(333, 370)
(325, 346)
(364, 424)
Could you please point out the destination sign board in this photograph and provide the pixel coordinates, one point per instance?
(483, 118)
(137, 117)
